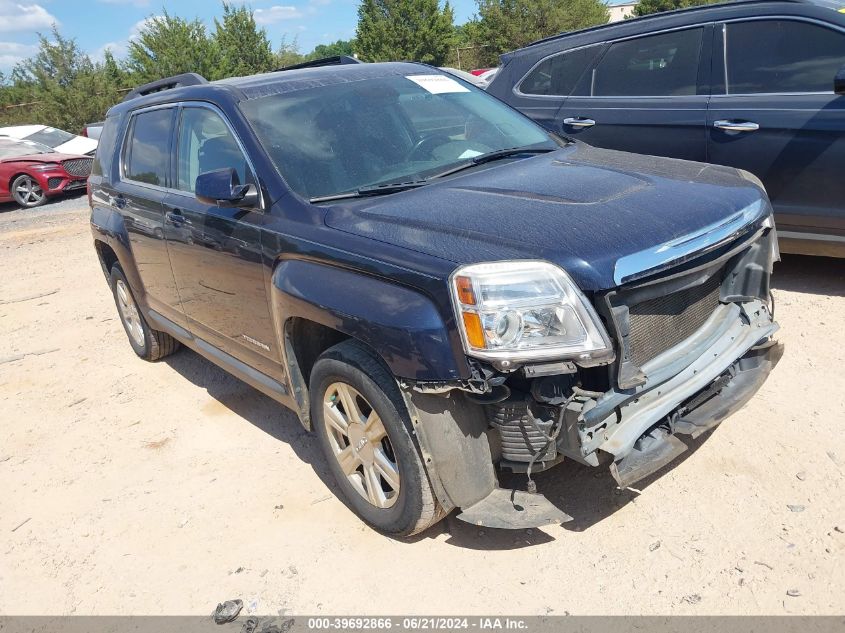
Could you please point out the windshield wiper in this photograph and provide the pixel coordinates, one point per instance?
(492, 156)
(373, 190)
(395, 187)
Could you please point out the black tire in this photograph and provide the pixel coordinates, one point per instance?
(156, 345)
(35, 197)
(415, 508)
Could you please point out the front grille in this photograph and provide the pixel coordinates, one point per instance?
(520, 438)
(78, 166)
(659, 324)
(52, 183)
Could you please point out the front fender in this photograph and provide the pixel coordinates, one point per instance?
(402, 325)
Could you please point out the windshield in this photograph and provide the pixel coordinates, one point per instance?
(13, 148)
(51, 136)
(341, 138)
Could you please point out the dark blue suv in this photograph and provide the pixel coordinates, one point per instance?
(436, 285)
(756, 85)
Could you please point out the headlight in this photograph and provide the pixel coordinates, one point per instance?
(45, 167)
(524, 310)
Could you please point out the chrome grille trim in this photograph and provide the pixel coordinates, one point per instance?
(79, 167)
(680, 250)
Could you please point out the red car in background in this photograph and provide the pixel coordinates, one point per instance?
(31, 172)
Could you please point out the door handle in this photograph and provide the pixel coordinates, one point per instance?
(736, 126)
(579, 122)
(117, 201)
(174, 217)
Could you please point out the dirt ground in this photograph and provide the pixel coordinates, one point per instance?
(136, 488)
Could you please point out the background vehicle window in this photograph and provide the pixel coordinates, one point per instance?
(782, 56)
(205, 144)
(147, 157)
(558, 75)
(653, 66)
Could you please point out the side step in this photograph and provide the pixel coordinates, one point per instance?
(652, 452)
(513, 510)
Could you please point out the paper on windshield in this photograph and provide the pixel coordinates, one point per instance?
(437, 84)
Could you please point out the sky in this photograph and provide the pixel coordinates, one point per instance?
(98, 25)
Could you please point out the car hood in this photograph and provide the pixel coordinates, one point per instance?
(52, 157)
(581, 207)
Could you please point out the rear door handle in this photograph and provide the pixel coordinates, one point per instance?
(174, 217)
(736, 126)
(579, 122)
(117, 201)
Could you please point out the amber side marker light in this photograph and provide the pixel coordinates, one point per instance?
(465, 293)
(472, 325)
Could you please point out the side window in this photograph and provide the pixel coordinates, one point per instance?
(558, 75)
(148, 148)
(653, 66)
(205, 144)
(782, 56)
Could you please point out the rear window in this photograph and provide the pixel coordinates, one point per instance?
(105, 149)
(652, 66)
(147, 157)
(772, 56)
(558, 75)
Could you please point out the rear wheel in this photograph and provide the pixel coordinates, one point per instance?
(148, 343)
(27, 192)
(364, 430)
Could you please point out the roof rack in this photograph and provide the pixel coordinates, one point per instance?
(168, 83)
(335, 60)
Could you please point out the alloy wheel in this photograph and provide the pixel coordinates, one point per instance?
(129, 312)
(361, 445)
(28, 192)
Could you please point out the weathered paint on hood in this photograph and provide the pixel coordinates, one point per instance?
(580, 207)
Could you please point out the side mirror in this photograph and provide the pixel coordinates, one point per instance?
(839, 82)
(223, 188)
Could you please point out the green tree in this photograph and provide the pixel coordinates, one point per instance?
(243, 48)
(504, 25)
(169, 45)
(60, 86)
(288, 53)
(645, 7)
(417, 30)
(340, 47)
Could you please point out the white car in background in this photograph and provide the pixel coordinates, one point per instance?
(61, 141)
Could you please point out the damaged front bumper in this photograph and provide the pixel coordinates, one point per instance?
(634, 431)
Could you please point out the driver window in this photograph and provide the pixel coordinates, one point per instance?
(205, 144)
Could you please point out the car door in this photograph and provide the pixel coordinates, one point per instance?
(541, 93)
(216, 252)
(774, 114)
(138, 196)
(646, 94)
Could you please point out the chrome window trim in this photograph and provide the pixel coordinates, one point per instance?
(762, 18)
(609, 43)
(517, 88)
(681, 249)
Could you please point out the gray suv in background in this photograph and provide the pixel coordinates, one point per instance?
(754, 85)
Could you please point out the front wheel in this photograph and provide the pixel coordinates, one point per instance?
(364, 430)
(27, 192)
